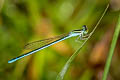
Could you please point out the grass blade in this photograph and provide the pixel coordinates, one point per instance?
(113, 44)
(60, 76)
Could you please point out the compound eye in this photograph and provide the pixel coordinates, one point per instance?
(84, 27)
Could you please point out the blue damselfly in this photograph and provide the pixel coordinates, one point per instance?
(41, 44)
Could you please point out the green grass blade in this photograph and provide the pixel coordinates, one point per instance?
(60, 76)
(113, 44)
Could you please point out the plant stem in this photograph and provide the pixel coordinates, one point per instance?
(113, 44)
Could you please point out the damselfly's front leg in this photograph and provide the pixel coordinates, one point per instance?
(77, 40)
(81, 37)
(84, 37)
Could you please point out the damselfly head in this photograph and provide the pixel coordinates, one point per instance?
(85, 30)
(84, 27)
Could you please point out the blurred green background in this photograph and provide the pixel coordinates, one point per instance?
(23, 21)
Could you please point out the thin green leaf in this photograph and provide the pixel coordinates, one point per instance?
(113, 44)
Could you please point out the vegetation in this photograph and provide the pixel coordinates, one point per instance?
(23, 21)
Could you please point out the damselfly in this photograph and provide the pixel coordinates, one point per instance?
(41, 44)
